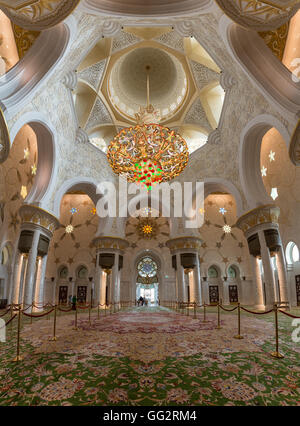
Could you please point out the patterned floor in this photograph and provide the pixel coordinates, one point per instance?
(150, 356)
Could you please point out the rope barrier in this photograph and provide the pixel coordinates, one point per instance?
(64, 310)
(289, 315)
(37, 315)
(3, 315)
(257, 313)
(228, 310)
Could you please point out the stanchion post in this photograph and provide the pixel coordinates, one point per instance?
(238, 336)
(54, 338)
(98, 314)
(18, 357)
(75, 325)
(276, 354)
(105, 309)
(195, 310)
(219, 321)
(188, 309)
(90, 314)
(204, 312)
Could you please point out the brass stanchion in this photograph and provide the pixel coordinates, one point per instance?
(188, 309)
(18, 357)
(105, 309)
(54, 338)
(90, 314)
(11, 314)
(219, 321)
(31, 313)
(110, 309)
(195, 310)
(204, 313)
(98, 314)
(238, 336)
(276, 354)
(75, 325)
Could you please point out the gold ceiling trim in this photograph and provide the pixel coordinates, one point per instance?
(24, 39)
(38, 15)
(276, 39)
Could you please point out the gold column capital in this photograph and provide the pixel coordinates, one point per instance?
(111, 243)
(185, 243)
(260, 215)
(35, 215)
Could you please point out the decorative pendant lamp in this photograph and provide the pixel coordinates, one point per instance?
(148, 153)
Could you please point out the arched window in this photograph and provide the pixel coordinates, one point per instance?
(231, 272)
(292, 253)
(147, 268)
(4, 256)
(212, 272)
(82, 272)
(63, 273)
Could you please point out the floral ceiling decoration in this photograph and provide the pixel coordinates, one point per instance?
(259, 15)
(185, 88)
(38, 14)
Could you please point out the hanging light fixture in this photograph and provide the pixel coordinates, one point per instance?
(148, 153)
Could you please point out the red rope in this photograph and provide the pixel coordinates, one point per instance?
(257, 313)
(9, 321)
(228, 310)
(289, 315)
(37, 315)
(83, 307)
(2, 315)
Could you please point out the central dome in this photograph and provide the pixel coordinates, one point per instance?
(128, 81)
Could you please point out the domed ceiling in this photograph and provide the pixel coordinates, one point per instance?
(184, 85)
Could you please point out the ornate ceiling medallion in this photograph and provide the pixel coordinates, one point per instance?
(38, 15)
(259, 15)
(147, 228)
(4, 138)
(148, 153)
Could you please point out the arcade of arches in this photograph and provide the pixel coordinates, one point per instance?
(69, 84)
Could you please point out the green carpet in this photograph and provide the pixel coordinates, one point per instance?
(150, 356)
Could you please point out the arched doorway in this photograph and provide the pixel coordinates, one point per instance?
(147, 281)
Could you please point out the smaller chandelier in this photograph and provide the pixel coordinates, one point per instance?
(148, 153)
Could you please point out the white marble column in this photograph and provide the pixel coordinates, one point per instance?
(180, 280)
(191, 279)
(258, 293)
(197, 282)
(36, 287)
(17, 277)
(41, 291)
(282, 275)
(225, 292)
(114, 279)
(102, 290)
(30, 272)
(98, 276)
(269, 278)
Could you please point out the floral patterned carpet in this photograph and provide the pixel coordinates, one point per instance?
(150, 356)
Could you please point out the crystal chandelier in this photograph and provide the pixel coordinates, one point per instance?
(148, 153)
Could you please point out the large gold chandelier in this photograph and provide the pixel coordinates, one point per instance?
(148, 153)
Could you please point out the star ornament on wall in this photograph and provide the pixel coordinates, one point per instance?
(227, 229)
(69, 229)
(274, 193)
(272, 156)
(264, 171)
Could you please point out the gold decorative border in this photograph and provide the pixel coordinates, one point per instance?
(4, 138)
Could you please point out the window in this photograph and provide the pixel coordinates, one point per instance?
(231, 272)
(212, 272)
(63, 273)
(292, 253)
(147, 267)
(4, 256)
(82, 272)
